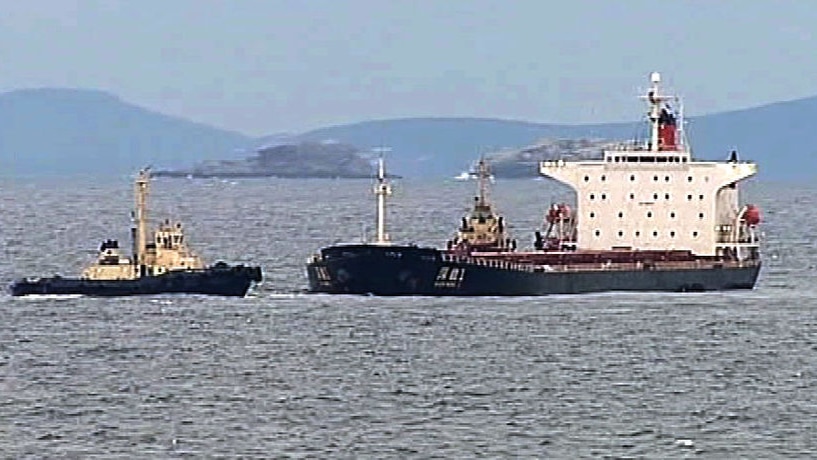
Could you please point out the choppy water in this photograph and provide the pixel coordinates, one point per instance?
(277, 374)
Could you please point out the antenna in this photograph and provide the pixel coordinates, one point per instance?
(654, 99)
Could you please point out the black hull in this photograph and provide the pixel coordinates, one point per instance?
(411, 270)
(217, 280)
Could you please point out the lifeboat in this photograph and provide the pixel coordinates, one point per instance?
(751, 215)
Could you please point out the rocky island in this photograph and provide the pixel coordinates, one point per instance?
(523, 162)
(293, 160)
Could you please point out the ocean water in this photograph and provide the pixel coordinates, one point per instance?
(286, 374)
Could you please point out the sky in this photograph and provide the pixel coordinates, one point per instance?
(264, 67)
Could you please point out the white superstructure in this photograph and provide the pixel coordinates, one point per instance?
(655, 196)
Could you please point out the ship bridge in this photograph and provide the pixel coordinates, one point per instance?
(655, 196)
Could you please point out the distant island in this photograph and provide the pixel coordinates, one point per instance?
(335, 160)
(524, 162)
(293, 160)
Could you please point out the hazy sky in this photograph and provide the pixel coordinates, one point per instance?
(269, 66)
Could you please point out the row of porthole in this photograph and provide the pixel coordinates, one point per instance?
(655, 196)
(654, 178)
(638, 233)
(649, 215)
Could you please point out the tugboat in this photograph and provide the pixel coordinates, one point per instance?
(649, 217)
(161, 263)
(483, 230)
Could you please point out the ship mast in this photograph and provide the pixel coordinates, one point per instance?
(483, 175)
(142, 187)
(382, 190)
(655, 110)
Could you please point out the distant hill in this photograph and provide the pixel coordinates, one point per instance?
(524, 162)
(72, 130)
(85, 131)
(443, 147)
(304, 159)
(780, 137)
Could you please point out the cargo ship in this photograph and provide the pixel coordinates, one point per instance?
(648, 217)
(161, 263)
